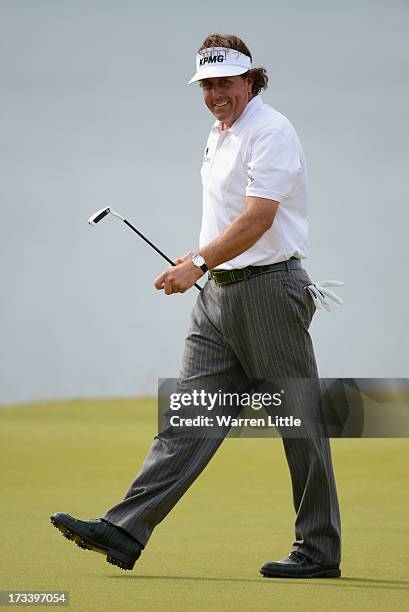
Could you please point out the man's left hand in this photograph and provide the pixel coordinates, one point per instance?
(179, 278)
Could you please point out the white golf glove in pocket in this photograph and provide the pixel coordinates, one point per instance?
(320, 294)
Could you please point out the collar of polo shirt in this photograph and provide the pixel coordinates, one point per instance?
(220, 61)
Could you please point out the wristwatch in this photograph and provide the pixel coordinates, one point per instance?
(199, 262)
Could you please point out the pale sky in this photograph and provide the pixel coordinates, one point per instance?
(95, 109)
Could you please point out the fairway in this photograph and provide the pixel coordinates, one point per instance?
(79, 457)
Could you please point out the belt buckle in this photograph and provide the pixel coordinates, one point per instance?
(213, 276)
(230, 276)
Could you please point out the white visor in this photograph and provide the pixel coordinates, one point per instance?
(218, 62)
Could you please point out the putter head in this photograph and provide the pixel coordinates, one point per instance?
(100, 214)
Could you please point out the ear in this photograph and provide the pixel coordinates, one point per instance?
(250, 81)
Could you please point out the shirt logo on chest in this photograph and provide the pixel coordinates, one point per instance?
(206, 159)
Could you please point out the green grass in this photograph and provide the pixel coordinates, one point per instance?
(79, 457)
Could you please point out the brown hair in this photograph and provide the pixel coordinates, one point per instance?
(259, 75)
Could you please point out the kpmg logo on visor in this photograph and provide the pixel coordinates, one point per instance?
(213, 59)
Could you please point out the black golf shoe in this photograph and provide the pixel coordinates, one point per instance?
(298, 565)
(120, 548)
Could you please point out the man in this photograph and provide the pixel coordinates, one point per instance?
(251, 319)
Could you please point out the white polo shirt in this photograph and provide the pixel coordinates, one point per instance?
(260, 155)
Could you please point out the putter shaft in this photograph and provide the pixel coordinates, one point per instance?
(154, 247)
(101, 214)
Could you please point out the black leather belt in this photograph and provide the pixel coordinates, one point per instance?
(225, 277)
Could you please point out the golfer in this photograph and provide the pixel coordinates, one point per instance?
(250, 319)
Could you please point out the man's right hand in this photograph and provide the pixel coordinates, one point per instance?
(179, 278)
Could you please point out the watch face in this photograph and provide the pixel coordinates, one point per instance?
(198, 260)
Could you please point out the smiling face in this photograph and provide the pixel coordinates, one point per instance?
(227, 97)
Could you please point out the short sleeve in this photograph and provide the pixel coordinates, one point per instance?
(273, 166)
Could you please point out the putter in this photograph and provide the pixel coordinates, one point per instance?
(100, 214)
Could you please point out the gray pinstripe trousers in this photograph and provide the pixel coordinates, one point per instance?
(256, 328)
